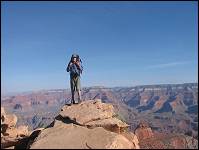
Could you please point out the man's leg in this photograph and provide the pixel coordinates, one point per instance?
(79, 95)
(79, 89)
(73, 97)
(72, 90)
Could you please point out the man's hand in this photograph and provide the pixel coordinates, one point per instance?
(78, 64)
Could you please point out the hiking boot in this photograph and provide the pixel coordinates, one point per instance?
(73, 102)
(68, 104)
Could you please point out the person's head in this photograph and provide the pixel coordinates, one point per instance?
(74, 58)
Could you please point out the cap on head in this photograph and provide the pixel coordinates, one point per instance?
(75, 56)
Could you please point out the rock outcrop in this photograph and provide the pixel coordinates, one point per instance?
(72, 136)
(90, 124)
(150, 140)
(169, 141)
(94, 114)
(10, 135)
(143, 131)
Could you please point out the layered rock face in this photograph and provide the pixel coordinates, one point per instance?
(167, 108)
(150, 140)
(10, 135)
(90, 124)
(144, 131)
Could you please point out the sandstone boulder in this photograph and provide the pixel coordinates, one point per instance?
(10, 135)
(88, 111)
(93, 113)
(22, 131)
(111, 124)
(10, 120)
(71, 136)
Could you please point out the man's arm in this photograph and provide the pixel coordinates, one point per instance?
(79, 66)
(68, 67)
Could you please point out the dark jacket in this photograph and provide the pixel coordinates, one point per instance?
(72, 66)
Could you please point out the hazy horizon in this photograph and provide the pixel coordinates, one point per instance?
(120, 43)
(37, 90)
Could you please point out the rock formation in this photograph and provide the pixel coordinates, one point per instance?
(150, 140)
(90, 124)
(167, 108)
(10, 135)
(94, 114)
(143, 131)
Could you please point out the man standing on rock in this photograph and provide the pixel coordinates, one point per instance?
(75, 68)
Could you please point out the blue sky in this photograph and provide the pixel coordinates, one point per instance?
(120, 43)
